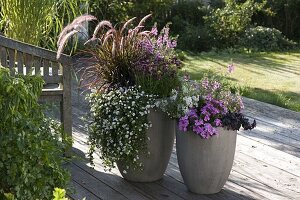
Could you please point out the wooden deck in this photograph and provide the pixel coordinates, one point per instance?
(266, 165)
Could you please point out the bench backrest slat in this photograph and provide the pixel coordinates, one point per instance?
(37, 65)
(11, 60)
(28, 62)
(24, 59)
(3, 56)
(33, 50)
(20, 62)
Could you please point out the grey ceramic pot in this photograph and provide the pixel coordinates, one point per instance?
(205, 164)
(160, 145)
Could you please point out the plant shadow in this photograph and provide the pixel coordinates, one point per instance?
(95, 183)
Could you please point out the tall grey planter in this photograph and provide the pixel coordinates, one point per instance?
(205, 164)
(160, 145)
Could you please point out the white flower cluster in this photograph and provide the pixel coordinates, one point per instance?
(119, 124)
(179, 104)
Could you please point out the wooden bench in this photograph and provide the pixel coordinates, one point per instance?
(22, 58)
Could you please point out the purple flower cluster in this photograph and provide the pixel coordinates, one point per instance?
(204, 120)
(210, 86)
(158, 59)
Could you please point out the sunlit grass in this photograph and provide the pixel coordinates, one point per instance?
(268, 77)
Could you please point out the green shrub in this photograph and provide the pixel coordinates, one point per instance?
(265, 39)
(188, 23)
(119, 10)
(282, 15)
(227, 24)
(31, 148)
(195, 38)
(27, 21)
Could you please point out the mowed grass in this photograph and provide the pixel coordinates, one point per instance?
(269, 77)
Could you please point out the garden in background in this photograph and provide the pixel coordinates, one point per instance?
(231, 31)
(268, 77)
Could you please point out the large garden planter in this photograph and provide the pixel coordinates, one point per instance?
(160, 146)
(205, 164)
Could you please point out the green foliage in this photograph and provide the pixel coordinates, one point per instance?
(187, 22)
(265, 39)
(160, 87)
(64, 12)
(111, 10)
(31, 148)
(28, 21)
(7, 196)
(38, 22)
(195, 38)
(227, 24)
(120, 10)
(59, 194)
(281, 14)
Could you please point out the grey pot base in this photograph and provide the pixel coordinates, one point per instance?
(160, 146)
(205, 164)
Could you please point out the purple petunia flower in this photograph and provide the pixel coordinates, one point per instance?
(218, 122)
(206, 118)
(198, 130)
(209, 129)
(199, 122)
(183, 123)
(192, 113)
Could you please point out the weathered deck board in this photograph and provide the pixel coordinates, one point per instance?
(266, 166)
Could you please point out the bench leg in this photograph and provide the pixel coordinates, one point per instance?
(66, 119)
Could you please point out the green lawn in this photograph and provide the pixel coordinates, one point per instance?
(268, 77)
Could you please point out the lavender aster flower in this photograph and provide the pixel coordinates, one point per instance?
(205, 83)
(154, 31)
(166, 35)
(230, 68)
(159, 41)
(216, 85)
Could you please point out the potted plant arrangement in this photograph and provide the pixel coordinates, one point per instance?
(209, 117)
(129, 71)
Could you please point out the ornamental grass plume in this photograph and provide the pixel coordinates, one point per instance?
(112, 52)
(71, 30)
